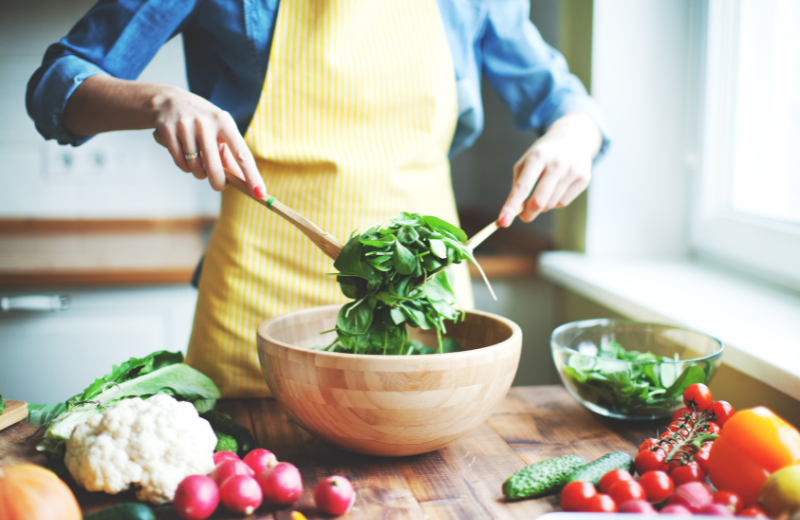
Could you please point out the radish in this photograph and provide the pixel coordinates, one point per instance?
(259, 459)
(642, 507)
(716, 510)
(224, 455)
(694, 496)
(196, 498)
(228, 468)
(335, 495)
(241, 494)
(281, 483)
(675, 509)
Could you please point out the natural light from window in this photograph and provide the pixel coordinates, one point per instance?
(766, 169)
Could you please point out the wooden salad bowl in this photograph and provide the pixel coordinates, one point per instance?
(388, 405)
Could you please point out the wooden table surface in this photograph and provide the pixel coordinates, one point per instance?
(462, 480)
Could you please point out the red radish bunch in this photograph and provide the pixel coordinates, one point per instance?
(230, 482)
(335, 495)
(242, 485)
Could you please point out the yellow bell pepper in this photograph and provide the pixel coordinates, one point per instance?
(753, 444)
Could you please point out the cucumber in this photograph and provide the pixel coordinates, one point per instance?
(543, 478)
(224, 424)
(126, 511)
(225, 442)
(594, 471)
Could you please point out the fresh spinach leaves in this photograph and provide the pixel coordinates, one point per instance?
(396, 274)
(647, 384)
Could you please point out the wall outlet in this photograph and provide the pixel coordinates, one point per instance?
(84, 164)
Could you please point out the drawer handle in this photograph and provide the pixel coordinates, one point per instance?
(35, 303)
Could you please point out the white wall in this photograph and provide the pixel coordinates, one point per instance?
(637, 201)
(136, 178)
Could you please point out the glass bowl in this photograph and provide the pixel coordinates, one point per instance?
(632, 370)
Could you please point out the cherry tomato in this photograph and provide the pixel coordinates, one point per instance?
(729, 499)
(753, 512)
(626, 490)
(680, 415)
(647, 444)
(713, 428)
(698, 395)
(575, 494)
(600, 503)
(691, 472)
(722, 411)
(612, 477)
(650, 460)
(701, 457)
(657, 485)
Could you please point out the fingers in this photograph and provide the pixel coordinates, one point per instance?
(185, 129)
(166, 137)
(553, 173)
(575, 189)
(211, 159)
(238, 151)
(526, 174)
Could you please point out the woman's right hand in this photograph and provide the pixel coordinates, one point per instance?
(185, 123)
(188, 124)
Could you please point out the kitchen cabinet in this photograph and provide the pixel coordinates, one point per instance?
(48, 356)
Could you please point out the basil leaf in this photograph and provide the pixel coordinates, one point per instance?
(403, 260)
(355, 317)
(442, 226)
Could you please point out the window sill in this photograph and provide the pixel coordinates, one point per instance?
(759, 324)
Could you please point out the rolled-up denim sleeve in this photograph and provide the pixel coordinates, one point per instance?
(116, 37)
(532, 77)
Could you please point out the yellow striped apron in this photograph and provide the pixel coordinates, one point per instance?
(354, 124)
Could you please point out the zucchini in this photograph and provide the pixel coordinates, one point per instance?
(594, 471)
(125, 511)
(224, 424)
(543, 478)
(225, 443)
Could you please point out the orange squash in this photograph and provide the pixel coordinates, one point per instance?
(30, 492)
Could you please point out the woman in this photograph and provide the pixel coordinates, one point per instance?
(347, 110)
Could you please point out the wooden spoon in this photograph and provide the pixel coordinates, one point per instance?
(329, 245)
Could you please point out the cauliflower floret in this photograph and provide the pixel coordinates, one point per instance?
(153, 444)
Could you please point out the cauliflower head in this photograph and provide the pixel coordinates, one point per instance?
(153, 444)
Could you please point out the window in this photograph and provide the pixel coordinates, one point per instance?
(747, 212)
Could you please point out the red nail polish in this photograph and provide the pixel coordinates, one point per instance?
(505, 220)
(259, 192)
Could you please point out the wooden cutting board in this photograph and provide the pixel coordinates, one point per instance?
(14, 412)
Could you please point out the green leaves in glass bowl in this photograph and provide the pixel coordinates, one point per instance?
(628, 382)
(396, 274)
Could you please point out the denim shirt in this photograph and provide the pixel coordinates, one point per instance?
(227, 44)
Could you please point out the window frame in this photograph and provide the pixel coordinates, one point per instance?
(762, 247)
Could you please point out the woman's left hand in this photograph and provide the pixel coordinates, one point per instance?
(561, 160)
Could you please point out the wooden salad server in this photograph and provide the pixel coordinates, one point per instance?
(329, 245)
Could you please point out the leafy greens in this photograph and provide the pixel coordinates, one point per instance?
(159, 372)
(647, 385)
(396, 274)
